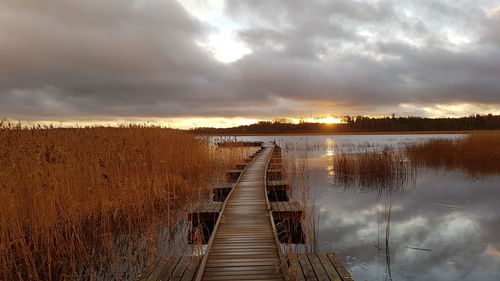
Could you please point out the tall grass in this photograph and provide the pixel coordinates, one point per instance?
(66, 195)
(296, 165)
(475, 154)
(384, 171)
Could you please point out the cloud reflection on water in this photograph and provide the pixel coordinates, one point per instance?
(455, 217)
(438, 215)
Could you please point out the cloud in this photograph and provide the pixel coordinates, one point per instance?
(97, 57)
(374, 53)
(133, 58)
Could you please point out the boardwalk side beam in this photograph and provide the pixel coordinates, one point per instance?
(284, 262)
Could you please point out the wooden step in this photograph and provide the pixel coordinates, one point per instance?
(275, 185)
(273, 175)
(205, 211)
(290, 209)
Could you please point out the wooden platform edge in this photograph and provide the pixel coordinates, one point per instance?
(284, 262)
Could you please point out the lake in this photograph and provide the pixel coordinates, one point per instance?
(445, 225)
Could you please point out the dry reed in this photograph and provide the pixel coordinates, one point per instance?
(384, 171)
(475, 154)
(66, 195)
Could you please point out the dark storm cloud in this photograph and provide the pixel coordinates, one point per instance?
(137, 58)
(408, 59)
(98, 58)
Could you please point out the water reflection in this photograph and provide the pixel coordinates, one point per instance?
(330, 147)
(443, 228)
(383, 237)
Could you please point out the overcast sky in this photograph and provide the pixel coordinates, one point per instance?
(216, 61)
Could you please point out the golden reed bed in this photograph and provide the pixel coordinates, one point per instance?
(477, 155)
(67, 194)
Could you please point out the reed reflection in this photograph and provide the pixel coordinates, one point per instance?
(385, 172)
(476, 155)
(428, 222)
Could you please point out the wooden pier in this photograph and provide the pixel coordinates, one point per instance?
(243, 230)
(244, 243)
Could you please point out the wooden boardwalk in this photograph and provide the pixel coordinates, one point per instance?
(243, 240)
(244, 243)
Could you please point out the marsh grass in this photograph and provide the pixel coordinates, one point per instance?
(383, 171)
(476, 154)
(296, 164)
(69, 196)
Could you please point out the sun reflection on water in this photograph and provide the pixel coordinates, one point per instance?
(330, 147)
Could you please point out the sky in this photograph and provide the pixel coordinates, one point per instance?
(195, 63)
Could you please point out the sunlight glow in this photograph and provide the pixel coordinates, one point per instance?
(448, 110)
(329, 147)
(492, 251)
(225, 49)
(175, 122)
(222, 42)
(322, 120)
(492, 12)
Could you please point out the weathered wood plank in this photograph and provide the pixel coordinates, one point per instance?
(179, 269)
(190, 271)
(307, 268)
(146, 272)
(167, 270)
(296, 270)
(244, 277)
(330, 269)
(319, 270)
(342, 271)
(159, 270)
(274, 185)
(243, 246)
(287, 207)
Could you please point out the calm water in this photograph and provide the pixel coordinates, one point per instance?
(444, 227)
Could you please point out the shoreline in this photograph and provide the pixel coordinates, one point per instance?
(456, 132)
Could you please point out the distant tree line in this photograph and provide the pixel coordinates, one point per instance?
(352, 124)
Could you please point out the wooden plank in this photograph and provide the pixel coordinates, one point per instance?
(342, 271)
(243, 245)
(244, 277)
(241, 268)
(330, 269)
(146, 272)
(307, 268)
(190, 272)
(274, 206)
(158, 271)
(319, 270)
(168, 269)
(297, 274)
(243, 272)
(283, 206)
(226, 264)
(180, 269)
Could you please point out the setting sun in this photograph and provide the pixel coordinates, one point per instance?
(327, 120)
